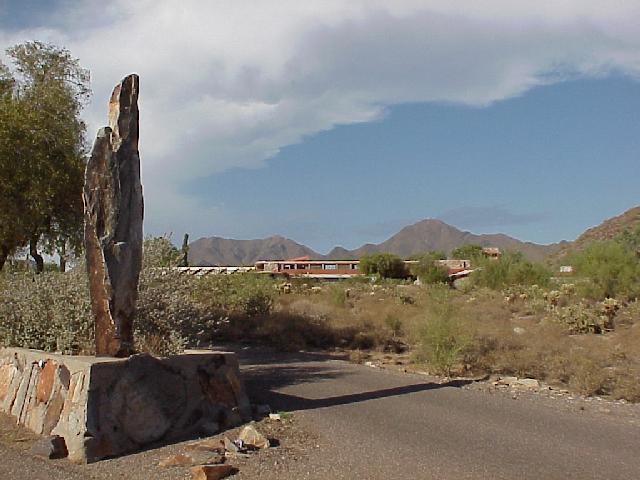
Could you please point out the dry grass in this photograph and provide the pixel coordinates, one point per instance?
(475, 331)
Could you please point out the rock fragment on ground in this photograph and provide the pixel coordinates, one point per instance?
(209, 445)
(252, 438)
(211, 472)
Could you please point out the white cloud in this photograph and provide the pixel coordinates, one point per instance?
(228, 83)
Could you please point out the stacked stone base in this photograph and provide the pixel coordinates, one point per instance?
(105, 407)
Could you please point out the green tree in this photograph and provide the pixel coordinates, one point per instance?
(428, 270)
(510, 269)
(386, 265)
(468, 252)
(42, 151)
(612, 268)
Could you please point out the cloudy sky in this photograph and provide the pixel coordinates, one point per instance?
(338, 122)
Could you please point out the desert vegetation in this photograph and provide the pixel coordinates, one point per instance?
(509, 317)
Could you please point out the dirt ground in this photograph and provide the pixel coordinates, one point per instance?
(291, 444)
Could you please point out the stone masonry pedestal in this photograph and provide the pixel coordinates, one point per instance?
(105, 407)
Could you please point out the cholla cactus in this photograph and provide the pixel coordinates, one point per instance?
(609, 308)
(568, 289)
(553, 297)
(579, 318)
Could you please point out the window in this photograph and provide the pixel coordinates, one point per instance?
(330, 266)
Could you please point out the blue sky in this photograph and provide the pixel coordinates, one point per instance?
(337, 123)
(541, 167)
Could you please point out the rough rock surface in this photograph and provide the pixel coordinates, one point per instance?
(212, 472)
(104, 407)
(113, 222)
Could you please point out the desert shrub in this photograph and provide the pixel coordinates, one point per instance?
(629, 314)
(394, 324)
(50, 311)
(428, 271)
(159, 252)
(613, 270)
(626, 384)
(444, 336)
(587, 375)
(509, 270)
(249, 294)
(385, 265)
(167, 312)
(338, 295)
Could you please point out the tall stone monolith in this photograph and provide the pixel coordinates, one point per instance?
(113, 206)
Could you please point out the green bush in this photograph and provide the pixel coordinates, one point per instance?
(248, 294)
(509, 270)
(443, 339)
(338, 295)
(612, 270)
(50, 311)
(428, 271)
(385, 265)
(468, 252)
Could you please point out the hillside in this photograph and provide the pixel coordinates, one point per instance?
(430, 234)
(226, 251)
(607, 230)
(423, 236)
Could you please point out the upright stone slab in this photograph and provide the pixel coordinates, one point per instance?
(113, 222)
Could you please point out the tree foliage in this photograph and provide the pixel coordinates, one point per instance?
(42, 150)
(386, 265)
(428, 270)
(468, 252)
(611, 267)
(509, 270)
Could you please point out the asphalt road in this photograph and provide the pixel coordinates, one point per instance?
(375, 424)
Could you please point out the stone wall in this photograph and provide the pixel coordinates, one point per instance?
(104, 407)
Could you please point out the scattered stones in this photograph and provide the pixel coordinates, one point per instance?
(52, 447)
(212, 472)
(519, 330)
(252, 438)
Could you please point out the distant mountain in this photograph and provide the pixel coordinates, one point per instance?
(607, 230)
(428, 235)
(424, 236)
(226, 251)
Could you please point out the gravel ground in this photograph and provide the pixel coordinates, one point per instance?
(292, 445)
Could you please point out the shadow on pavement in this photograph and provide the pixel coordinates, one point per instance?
(265, 372)
(286, 402)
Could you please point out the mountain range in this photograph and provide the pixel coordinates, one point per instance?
(424, 236)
